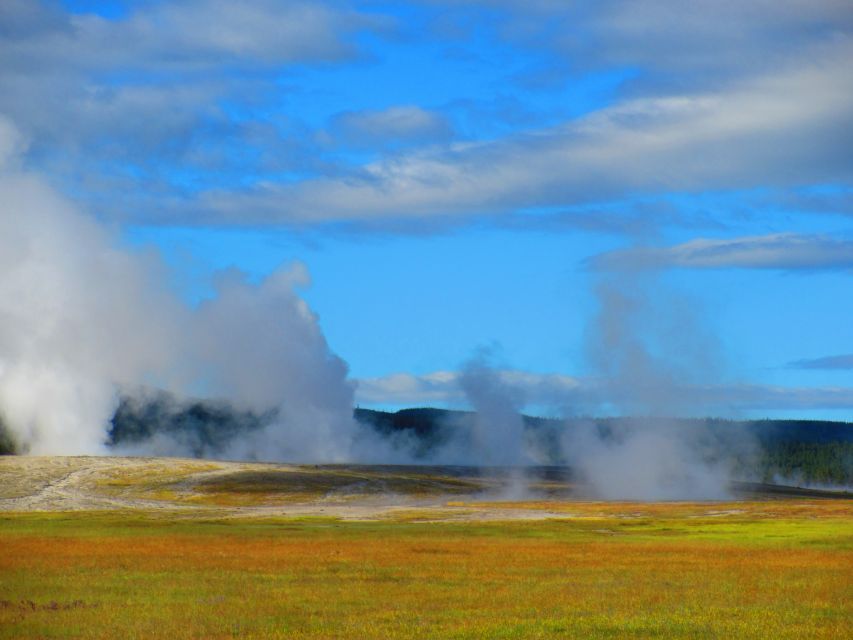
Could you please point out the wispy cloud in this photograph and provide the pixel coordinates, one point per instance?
(785, 251)
(844, 361)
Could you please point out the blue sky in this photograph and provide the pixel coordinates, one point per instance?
(467, 175)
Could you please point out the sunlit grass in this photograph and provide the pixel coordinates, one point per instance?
(779, 569)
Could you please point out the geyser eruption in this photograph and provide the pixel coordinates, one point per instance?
(82, 318)
(650, 349)
(77, 318)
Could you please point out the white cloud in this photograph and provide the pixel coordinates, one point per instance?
(589, 395)
(444, 387)
(672, 42)
(407, 389)
(782, 130)
(731, 95)
(190, 35)
(147, 88)
(785, 251)
(398, 124)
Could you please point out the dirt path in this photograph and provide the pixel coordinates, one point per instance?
(61, 483)
(57, 483)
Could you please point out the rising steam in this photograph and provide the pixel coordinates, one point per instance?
(497, 437)
(83, 319)
(650, 349)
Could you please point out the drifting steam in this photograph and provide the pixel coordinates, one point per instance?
(651, 353)
(498, 428)
(650, 349)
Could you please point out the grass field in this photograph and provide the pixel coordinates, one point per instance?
(747, 569)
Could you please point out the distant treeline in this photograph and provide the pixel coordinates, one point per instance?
(432, 423)
(7, 442)
(804, 451)
(825, 463)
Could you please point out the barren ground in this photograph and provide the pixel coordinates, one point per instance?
(189, 488)
(218, 488)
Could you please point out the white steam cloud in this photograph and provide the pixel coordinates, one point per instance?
(82, 318)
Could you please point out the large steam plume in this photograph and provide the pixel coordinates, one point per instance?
(82, 318)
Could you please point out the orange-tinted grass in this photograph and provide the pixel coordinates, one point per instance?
(116, 576)
(770, 509)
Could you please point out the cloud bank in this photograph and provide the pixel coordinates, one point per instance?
(160, 100)
(551, 394)
(781, 130)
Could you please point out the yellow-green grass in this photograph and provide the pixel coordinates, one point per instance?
(780, 569)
